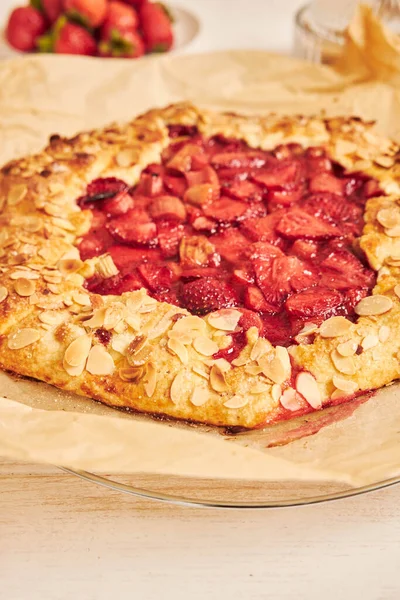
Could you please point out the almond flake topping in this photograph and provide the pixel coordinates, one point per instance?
(389, 217)
(345, 365)
(113, 315)
(24, 287)
(81, 299)
(347, 348)
(31, 224)
(217, 379)
(3, 293)
(236, 402)
(139, 358)
(200, 396)
(16, 194)
(305, 332)
(307, 386)
(334, 327)
(182, 337)
(277, 368)
(179, 349)
(225, 319)
(51, 317)
(200, 370)
(345, 385)
(373, 305)
(393, 232)
(78, 351)
(22, 338)
(177, 386)
(259, 349)
(121, 342)
(276, 392)
(393, 261)
(190, 325)
(370, 341)
(126, 158)
(150, 380)
(67, 266)
(163, 324)
(384, 333)
(397, 290)
(205, 346)
(97, 319)
(290, 400)
(99, 361)
(260, 388)
(253, 369)
(73, 371)
(131, 374)
(25, 274)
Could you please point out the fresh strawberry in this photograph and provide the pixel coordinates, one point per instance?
(119, 205)
(225, 210)
(277, 329)
(89, 12)
(297, 224)
(325, 182)
(167, 207)
(254, 300)
(202, 194)
(342, 270)
(277, 199)
(124, 44)
(128, 283)
(249, 319)
(263, 229)
(94, 244)
(263, 251)
(118, 18)
(157, 28)
(169, 235)
(305, 249)
(68, 39)
(206, 294)
(52, 9)
(243, 190)
(99, 220)
(133, 227)
(156, 278)
(204, 224)
(196, 272)
(25, 25)
(280, 276)
(204, 175)
(127, 258)
(282, 176)
(317, 302)
(176, 131)
(335, 209)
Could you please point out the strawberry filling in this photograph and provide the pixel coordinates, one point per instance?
(219, 224)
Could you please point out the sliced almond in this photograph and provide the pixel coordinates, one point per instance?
(373, 305)
(226, 319)
(120, 343)
(277, 368)
(200, 370)
(260, 388)
(26, 274)
(162, 325)
(397, 290)
(78, 350)
(393, 231)
(99, 361)
(222, 364)
(291, 400)
(217, 379)
(24, 287)
(31, 224)
(345, 365)
(51, 317)
(347, 348)
(276, 392)
(97, 319)
(253, 369)
(334, 327)
(3, 293)
(308, 330)
(191, 325)
(261, 347)
(126, 158)
(178, 386)
(16, 194)
(113, 315)
(345, 385)
(205, 346)
(384, 333)
(140, 358)
(22, 338)
(200, 396)
(393, 261)
(389, 217)
(81, 299)
(370, 341)
(307, 386)
(133, 321)
(131, 374)
(67, 266)
(150, 380)
(74, 371)
(179, 349)
(236, 402)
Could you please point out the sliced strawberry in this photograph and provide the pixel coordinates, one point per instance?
(133, 227)
(335, 209)
(119, 204)
(94, 244)
(227, 176)
(243, 276)
(326, 182)
(318, 302)
(169, 235)
(156, 278)
(249, 319)
(342, 270)
(275, 277)
(102, 188)
(176, 186)
(243, 190)
(207, 294)
(239, 160)
(198, 251)
(126, 258)
(297, 224)
(277, 329)
(128, 283)
(263, 251)
(204, 224)
(225, 210)
(277, 199)
(305, 249)
(279, 177)
(196, 272)
(254, 300)
(231, 245)
(182, 160)
(167, 207)
(262, 229)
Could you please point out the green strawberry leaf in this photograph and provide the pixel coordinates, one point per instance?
(159, 48)
(36, 4)
(167, 11)
(45, 43)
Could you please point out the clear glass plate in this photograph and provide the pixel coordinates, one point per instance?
(220, 493)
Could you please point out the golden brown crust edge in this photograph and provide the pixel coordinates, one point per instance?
(157, 360)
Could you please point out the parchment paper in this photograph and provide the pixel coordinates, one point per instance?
(55, 94)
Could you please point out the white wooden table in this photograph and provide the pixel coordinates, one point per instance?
(63, 538)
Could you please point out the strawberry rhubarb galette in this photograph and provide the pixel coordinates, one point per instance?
(216, 268)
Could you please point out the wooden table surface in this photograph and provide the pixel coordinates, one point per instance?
(63, 538)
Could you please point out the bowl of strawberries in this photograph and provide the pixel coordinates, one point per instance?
(102, 28)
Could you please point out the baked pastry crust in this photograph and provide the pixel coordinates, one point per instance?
(155, 357)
